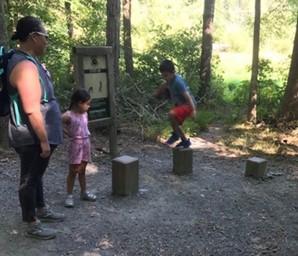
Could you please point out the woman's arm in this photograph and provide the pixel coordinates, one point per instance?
(25, 78)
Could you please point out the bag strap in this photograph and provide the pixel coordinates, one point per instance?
(14, 98)
(41, 81)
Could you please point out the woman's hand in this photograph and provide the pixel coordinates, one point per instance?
(45, 150)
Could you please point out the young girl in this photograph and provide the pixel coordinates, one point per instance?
(76, 127)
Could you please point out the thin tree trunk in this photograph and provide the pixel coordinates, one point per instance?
(113, 34)
(3, 42)
(289, 108)
(3, 29)
(70, 27)
(127, 37)
(252, 104)
(206, 55)
(69, 22)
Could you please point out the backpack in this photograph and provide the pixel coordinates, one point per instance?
(4, 97)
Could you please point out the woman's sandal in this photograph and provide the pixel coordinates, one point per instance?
(88, 196)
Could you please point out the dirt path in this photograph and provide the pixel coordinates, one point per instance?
(215, 211)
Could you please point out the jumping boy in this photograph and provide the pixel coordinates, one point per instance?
(177, 89)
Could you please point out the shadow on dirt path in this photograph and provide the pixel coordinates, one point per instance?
(214, 211)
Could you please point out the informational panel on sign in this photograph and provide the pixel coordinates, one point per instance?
(96, 83)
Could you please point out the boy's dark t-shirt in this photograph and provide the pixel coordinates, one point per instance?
(177, 86)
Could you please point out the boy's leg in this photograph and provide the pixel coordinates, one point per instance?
(175, 124)
(177, 117)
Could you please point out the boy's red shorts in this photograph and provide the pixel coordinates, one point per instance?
(182, 112)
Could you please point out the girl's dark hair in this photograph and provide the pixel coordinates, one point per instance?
(79, 95)
(25, 26)
(167, 66)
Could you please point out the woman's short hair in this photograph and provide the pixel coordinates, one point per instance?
(25, 26)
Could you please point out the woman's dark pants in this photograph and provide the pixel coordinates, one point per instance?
(33, 167)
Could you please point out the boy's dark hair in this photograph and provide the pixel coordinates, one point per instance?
(25, 26)
(167, 66)
(79, 95)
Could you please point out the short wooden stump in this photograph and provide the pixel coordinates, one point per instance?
(256, 167)
(182, 161)
(125, 175)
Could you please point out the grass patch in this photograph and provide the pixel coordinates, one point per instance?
(191, 126)
(249, 139)
(235, 66)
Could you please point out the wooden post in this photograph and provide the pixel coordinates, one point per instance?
(256, 167)
(125, 175)
(182, 161)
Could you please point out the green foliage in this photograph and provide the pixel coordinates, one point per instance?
(172, 31)
(182, 48)
(271, 84)
(270, 90)
(191, 126)
(91, 22)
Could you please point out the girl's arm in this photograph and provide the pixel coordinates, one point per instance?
(66, 120)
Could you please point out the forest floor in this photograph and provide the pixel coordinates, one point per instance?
(215, 211)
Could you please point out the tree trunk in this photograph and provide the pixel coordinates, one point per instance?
(69, 22)
(70, 27)
(252, 104)
(3, 42)
(289, 107)
(206, 55)
(3, 29)
(127, 37)
(113, 34)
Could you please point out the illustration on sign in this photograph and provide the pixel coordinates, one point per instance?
(96, 76)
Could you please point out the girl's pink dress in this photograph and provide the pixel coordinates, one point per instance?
(79, 149)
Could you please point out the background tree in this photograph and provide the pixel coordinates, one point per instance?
(127, 37)
(252, 104)
(3, 42)
(206, 54)
(113, 33)
(3, 29)
(289, 107)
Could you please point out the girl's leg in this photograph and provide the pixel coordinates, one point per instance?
(82, 177)
(85, 194)
(70, 180)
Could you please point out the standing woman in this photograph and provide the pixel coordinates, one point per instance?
(35, 127)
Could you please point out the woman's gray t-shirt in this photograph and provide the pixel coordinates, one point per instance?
(50, 108)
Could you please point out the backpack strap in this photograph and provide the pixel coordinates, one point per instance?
(44, 95)
(14, 98)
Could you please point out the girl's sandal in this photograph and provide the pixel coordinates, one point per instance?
(88, 196)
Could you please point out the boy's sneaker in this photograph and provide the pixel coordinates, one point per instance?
(183, 144)
(50, 216)
(174, 137)
(40, 232)
(69, 202)
(88, 196)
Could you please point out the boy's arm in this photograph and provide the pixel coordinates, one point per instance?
(190, 103)
(161, 92)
